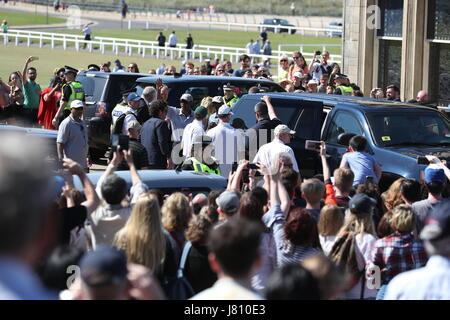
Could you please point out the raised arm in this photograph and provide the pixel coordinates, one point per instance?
(272, 114)
(236, 180)
(25, 68)
(92, 200)
(135, 178)
(325, 167)
(436, 160)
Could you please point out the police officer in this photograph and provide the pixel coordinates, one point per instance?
(201, 159)
(71, 90)
(342, 85)
(230, 97)
(120, 108)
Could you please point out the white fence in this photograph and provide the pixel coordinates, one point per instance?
(328, 32)
(141, 47)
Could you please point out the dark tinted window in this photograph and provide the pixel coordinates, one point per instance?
(409, 127)
(287, 111)
(343, 122)
(439, 19)
(392, 18)
(93, 87)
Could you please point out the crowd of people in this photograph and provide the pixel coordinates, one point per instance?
(270, 235)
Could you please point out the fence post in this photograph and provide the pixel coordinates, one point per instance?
(41, 42)
(17, 40)
(53, 41)
(143, 52)
(29, 40)
(77, 45)
(129, 24)
(146, 25)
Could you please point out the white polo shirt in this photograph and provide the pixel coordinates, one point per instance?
(269, 151)
(228, 143)
(192, 130)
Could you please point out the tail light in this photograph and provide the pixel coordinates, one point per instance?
(101, 110)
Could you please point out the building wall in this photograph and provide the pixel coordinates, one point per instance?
(361, 47)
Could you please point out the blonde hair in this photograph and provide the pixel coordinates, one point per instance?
(142, 238)
(313, 190)
(176, 212)
(330, 221)
(392, 197)
(358, 223)
(403, 219)
(343, 179)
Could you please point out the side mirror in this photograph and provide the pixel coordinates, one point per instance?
(344, 138)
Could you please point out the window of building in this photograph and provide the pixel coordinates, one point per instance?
(440, 73)
(439, 19)
(391, 18)
(389, 70)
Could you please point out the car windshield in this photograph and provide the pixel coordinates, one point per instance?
(282, 21)
(410, 128)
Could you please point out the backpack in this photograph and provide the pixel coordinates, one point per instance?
(118, 126)
(343, 254)
(180, 288)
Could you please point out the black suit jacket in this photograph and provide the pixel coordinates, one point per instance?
(142, 114)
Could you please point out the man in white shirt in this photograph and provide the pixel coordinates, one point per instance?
(228, 142)
(270, 152)
(173, 40)
(180, 117)
(133, 105)
(193, 130)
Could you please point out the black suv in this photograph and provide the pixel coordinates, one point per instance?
(204, 86)
(278, 23)
(103, 92)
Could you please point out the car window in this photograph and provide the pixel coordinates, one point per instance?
(116, 86)
(287, 111)
(409, 128)
(283, 21)
(343, 122)
(93, 87)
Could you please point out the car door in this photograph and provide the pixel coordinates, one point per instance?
(307, 126)
(342, 122)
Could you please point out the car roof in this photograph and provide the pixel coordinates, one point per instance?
(193, 79)
(332, 99)
(101, 74)
(29, 131)
(167, 179)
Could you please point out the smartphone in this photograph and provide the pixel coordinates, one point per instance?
(59, 164)
(423, 160)
(124, 142)
(252, 166)
(234, 167)
(312, 145)
(245, 176)
(34, 58)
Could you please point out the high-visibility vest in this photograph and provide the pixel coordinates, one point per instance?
(77, 92)
(201, 167)
(231, 102)
(345, 90)
(118, 110)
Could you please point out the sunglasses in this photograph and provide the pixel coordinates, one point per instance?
(283, 60)
(295, 58)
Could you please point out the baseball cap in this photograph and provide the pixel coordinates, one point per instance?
(434, 174)
(228, 201)
(133, 97)
(187, 97)
(224, 110)
(312, 82)
(133, 125)
(298, 75)
(77, 104)
(201, 111)
(217, 99)
(437, 225)
(207, 60)
(117, 61)
(68, 69)
(282, 128)
(103, 266)
(361, 203)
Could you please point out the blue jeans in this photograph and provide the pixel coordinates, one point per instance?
(382, 292)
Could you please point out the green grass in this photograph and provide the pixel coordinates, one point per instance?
(21, 19)
(305, 7)
(222, 38)
(13, 59)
